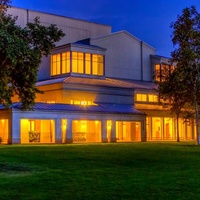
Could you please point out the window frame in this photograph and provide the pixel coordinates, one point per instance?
(87, 65)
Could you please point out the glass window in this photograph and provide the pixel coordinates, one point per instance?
(55, 64)
(74, 62)
(128, 131)
(65, 62)
(77, 62)
(156, 128)
(37, 131)
(4, 131)
(88, 63)
(161, 71)
(97, 64)
(168, 129)
(141, 97)
(153, 98)
(80, 63)
(86, 131)
(82, 102)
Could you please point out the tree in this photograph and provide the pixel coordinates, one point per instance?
(186, 40)
(21, 51)
(172, 93)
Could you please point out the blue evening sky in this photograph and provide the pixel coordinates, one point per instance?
(148, 20)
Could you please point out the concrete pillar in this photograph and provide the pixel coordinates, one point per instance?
(143, 131)
(69, 138)
(113, 131)
(58, 131)
(16, 131)
(104, 137)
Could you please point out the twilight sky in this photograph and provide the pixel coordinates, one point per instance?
(148, 20)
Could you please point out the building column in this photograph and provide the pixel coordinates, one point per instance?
(143, 131)
(16, 131)
(113, 131)
(58, 132)
(104, 137)
(69, 138)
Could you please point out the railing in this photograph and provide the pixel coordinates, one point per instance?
(79, 137)
(34, 136)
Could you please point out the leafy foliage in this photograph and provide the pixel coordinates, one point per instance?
(186, 39)
(182, 86)
(21, 51)
(172, 91)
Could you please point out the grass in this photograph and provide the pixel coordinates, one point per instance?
(168, 171)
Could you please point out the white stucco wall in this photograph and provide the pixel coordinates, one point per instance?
(74, 29)
(126, 56)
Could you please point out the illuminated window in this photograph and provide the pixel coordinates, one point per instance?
(51, 102)
(86, 131)
(97, 64)
(77, 62)
(82, 63)
(168, 128)
(56, 64)
(156, 128)
(48, 101)
(82, 102)
(161, 71)
(157, 72)
(128, 131)
(153, 98)
(88, 63)
(4, 131)
(31, 126)
(65, 62)
(141, 97)
(83, 126)
(147, 97)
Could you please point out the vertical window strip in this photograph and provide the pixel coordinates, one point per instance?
(65, 62)
(87, 63)
(56, 61)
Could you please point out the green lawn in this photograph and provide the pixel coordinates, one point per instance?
(100, 171)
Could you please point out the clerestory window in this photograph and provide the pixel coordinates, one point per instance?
(77, 62)
(161, 71)
(146, 97)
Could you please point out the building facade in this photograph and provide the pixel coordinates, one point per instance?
(98, 87)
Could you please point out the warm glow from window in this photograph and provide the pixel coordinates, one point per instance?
(88, 63)
(77, 62)
(56, 64)
(141, 97)
(147, 97)
(153, 98)
(4, 131)
(48, 101)
(37, 131)
(81, 102)
(128, 131)
(162, 70)
(65, 62)
(84, 103)
(83, 126)
(82, 63)
(97, 64)
(109, 124)
(86, 131)
(31, 125)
